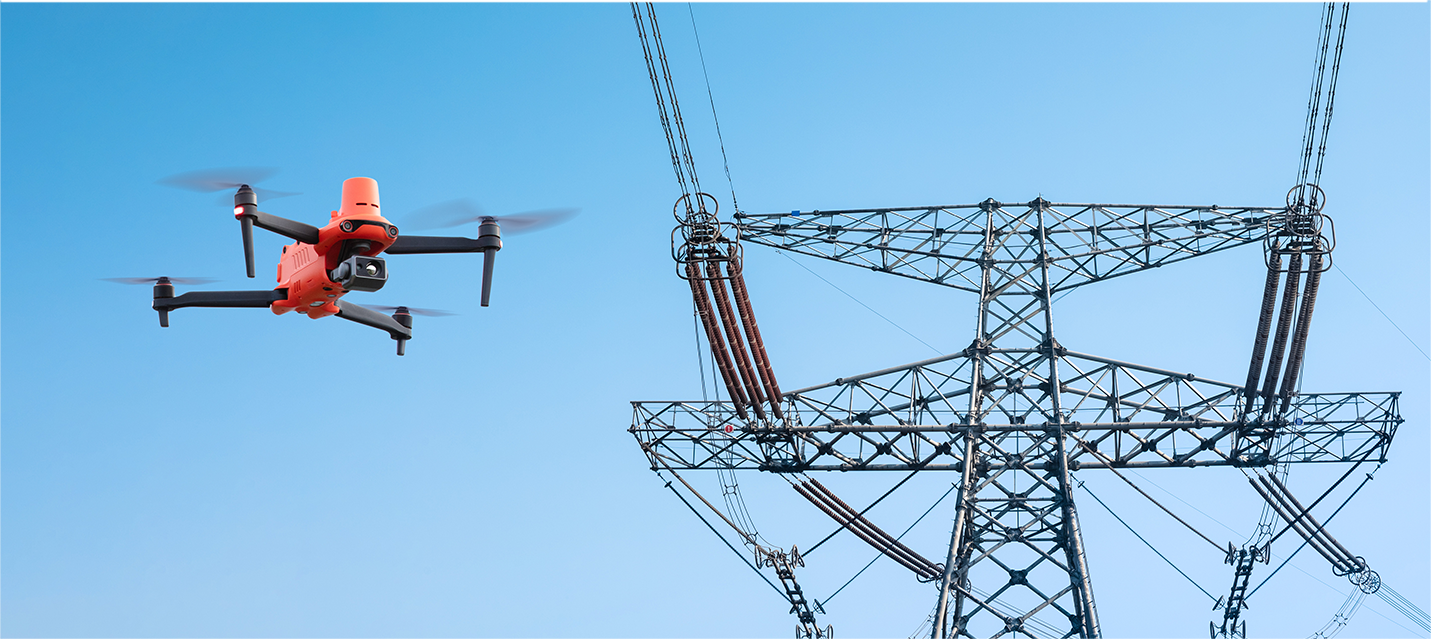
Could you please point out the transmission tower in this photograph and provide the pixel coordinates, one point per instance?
(1017, 412)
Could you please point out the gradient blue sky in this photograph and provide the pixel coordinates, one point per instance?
(241, 474)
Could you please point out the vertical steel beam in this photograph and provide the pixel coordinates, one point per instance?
(1073, 540)
(956, 569)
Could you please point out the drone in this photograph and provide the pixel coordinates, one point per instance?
(325, 264)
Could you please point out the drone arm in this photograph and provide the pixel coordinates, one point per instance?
(248, 215)
(426, 244)
(222, 299)
(488, 242)
(369, 317)
(306, 233)
(212, 299)
(399, 325)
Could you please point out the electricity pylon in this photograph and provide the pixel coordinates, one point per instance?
(1016, 412)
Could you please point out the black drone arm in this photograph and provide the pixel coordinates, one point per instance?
(246, 210)
(488, 242)
(399, 325)
(306, 233)
(416, 244)
(164, 300)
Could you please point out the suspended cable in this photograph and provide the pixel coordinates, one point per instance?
(1318, 530)
(686, 156)
(727, 541)
(1383, 313)
(1310, 175)
(1404, 606)
(901, 536)
(1145, 541)
(1331, 90)
(1170, 513)
(672, 123)
(700, 359)
(861, 513)
(711, 95)
(660, 99)
(1185, 503)
(857, 301)
(1219, 522)
(1329, 490)
(1343, 615)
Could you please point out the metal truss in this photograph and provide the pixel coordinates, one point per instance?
(1016, 412)
(1327, 427)
(946, 244)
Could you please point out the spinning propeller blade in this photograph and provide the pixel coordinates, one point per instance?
(465, 211)
(225, 179)
(157, 280)
(403, 316)
(412, 310)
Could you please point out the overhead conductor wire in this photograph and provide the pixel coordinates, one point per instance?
(1145, 541)
(683, 163)
(1315, 532)
(722, 538)
(901, 536)
(714, 117)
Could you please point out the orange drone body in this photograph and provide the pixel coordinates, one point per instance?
(324, 264)
(304, 269)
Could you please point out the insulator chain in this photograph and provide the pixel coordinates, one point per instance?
(785, 565)
(711, 264)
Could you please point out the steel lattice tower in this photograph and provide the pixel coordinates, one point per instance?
(1016, 412)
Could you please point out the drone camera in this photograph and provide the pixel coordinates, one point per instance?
(361, 273)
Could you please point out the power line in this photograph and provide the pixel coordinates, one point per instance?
(727, 541)
(1315, 532)
(901, 536)
(861, 513)
(857, 301)
(1145, 541)
(1383, 313)
(711, 95)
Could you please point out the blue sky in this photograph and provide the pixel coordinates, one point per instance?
(240, 474)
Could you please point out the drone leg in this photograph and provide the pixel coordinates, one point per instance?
(163, 290)
(247, 224)
(489, 259)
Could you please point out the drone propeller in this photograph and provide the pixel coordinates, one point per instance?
(411, 310)
(403, 316)
(225, 179)
(465, 211)
(163, 289)
(238, 179)
(160, 280)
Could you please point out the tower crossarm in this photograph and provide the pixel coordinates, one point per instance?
(949, 245)
(1115, 414)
